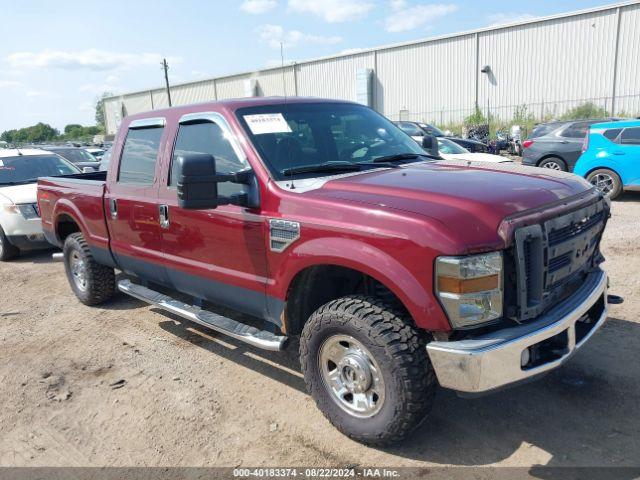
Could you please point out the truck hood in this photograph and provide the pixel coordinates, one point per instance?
(470, 199)
(19, 193)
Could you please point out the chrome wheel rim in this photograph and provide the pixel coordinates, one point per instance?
(352, 376)
(552, 166)
(78, 271)
(603, 182)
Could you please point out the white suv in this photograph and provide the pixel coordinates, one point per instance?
(20, 227)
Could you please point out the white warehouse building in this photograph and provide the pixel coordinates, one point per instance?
(549, 65)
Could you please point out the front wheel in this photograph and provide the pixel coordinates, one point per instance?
(92, 282)
(7, 251)
(367, 369)
(606, 181)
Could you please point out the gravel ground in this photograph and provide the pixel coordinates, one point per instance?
(128, 385)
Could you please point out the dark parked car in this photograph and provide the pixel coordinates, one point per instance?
(418, 130)
(78, 156)
(557, 145)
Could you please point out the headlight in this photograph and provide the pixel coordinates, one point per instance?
(11, 209)
(470, 288)
(28, 211)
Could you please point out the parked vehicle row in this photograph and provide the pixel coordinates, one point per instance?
(322, 220)
(20, 226)
(417, 130)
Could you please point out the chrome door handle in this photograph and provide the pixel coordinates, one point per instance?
(163, 211)
(113, 208)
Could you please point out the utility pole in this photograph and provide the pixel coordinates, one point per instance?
(165, 67)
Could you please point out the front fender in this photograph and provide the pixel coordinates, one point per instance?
(416, 295)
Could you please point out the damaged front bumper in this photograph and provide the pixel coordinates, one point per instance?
(518, 353)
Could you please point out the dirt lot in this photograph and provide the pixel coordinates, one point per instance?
(190, 398)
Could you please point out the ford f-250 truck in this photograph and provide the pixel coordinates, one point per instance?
(320, 219)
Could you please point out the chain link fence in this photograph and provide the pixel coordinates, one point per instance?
(527, 115)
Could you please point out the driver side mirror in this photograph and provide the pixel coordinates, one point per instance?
(198, 183)
(430, 145)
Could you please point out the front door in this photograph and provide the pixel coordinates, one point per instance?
(218, 254)
(131, 202)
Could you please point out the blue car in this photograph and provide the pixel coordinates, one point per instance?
(611, 157)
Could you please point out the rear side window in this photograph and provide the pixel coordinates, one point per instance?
(576, 130)
(541, 130)
(410, 129)
(207, 137)
(139, 156)
(612, 133)
(630, 136)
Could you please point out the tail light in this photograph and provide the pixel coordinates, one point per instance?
(585, 143)
(527, 143)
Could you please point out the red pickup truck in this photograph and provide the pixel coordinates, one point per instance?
(321, 220)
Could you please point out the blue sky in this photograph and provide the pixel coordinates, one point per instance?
(57, 57)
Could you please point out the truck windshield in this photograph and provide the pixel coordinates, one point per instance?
(27, 168)
(292, 137)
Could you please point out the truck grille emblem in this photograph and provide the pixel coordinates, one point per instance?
(282, 233)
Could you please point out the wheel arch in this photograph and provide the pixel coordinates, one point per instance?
(348, 269)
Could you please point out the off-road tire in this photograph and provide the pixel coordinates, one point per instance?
(617, 182)
(398, 348)
(7, 251)
(100, 280)
(554, 160)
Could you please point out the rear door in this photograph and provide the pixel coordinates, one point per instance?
(218, 254)
(629, 156)
(131, 202)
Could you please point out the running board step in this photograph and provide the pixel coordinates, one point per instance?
(239, 331)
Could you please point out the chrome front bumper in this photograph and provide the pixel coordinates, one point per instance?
(493, 360)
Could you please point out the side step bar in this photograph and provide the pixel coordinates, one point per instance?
(239, 331)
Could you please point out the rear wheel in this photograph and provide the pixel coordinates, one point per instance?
(606, 181)
(7, 251)
(367, 369)
(553, 163)
(92, 282)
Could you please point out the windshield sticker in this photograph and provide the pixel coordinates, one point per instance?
(267, 123)
(1, 163)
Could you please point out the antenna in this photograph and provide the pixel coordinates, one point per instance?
(284, 88)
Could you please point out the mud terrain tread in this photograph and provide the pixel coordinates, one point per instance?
(405, 348)
(101, 279)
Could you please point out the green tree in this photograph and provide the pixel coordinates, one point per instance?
(584, 111)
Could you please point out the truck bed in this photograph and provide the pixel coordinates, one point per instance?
(75, 199)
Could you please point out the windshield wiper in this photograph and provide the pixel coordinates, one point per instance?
(322, 167)
(400, 157)
(21, 182)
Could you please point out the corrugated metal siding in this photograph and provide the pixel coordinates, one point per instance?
(628, 88)
(548, 63)
(425, 79)
(333, 78)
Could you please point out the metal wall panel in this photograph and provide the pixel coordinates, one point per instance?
(426, 79)
(199, 92)
(548, 63)
(332, 78)
(628, 81)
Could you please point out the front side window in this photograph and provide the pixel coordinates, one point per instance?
(299, 135)
(27, 168)
(630, 136)
(139, 156)
(207, 137)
